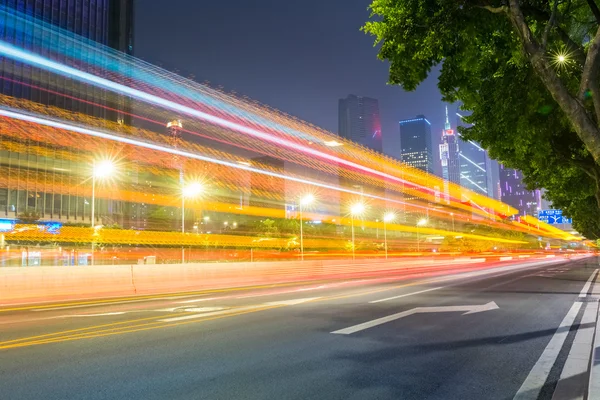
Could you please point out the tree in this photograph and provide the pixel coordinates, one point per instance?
(528, 72)
(470, 36)
(29, 217)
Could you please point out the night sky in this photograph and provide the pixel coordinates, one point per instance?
(297, 56)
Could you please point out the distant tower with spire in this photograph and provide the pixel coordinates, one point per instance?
(449, 158)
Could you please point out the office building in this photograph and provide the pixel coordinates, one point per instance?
(107, 22)
(415, 143)
(358, 121)
(514, 193)
(478, 172)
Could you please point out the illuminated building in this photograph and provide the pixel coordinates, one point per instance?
(107, 22)
(449, 157)
(358, 121)
(515, 194)
(415, 143)
(478, 172)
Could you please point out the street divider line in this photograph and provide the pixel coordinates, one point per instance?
(532, 386)
(572, 382)
(586, 287)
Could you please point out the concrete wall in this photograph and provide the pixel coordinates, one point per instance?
(39, 284)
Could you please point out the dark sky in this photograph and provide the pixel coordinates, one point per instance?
(297, 56)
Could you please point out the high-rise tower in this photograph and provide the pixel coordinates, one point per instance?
(415, 143)
(358, 120)
(449, 158)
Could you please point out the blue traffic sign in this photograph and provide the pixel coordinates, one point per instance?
(553, 217)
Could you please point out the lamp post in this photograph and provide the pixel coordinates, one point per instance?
(421, 222)
(356, 210)
(304, 201)
(452, 215)
(388, 217)
(192, 190)
(100, 170)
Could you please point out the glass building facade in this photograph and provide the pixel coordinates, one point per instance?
(415, 143)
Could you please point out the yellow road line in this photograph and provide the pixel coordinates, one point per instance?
(138, 328)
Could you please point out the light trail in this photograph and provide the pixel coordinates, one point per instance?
(29, 58)
(103, 135)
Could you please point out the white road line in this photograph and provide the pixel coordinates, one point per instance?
(407, 294)
(197, 300)
(291, 302)
(572, 378)
(93, 315)
(594, 383)
(209, 314)
(586, 287)
(531, 387)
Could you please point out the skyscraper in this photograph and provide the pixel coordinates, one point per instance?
(358, 120)
(108, 22)
(415, 143)
(478, 172)
(449, 158)
(514, 193)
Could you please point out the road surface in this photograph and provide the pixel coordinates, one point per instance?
(485, 334)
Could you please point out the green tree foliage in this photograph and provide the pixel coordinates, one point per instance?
(528, 73)
(28, 217)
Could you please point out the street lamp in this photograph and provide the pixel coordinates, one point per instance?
(356, 210)
(100, 170)
(421, 222)
(388, 217)
(191, 191)
(304, 201)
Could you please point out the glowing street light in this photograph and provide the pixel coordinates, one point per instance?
(102, 169)
(355, 210)
(421, 222)
(191, 191)
(387, 217)
(304, 201)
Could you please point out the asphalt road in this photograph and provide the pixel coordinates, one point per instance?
(477, 335)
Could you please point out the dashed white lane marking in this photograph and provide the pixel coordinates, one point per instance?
(407, 294)
(196, 300)
(93, 315)
(291, 302)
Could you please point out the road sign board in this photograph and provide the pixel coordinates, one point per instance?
(553, 217)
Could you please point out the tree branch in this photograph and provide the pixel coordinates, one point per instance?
(589, 77)
(583, 123)
(549, 25)
(595, 9)
(495, 10)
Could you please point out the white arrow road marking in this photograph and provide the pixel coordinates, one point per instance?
(235, 310)
(208, 314)
(379, 321)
